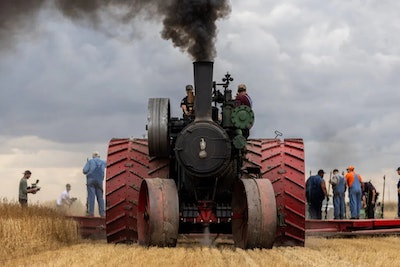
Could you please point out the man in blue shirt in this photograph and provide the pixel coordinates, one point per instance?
(94, 171)
(315, 194)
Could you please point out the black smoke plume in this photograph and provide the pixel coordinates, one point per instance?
(189, 24)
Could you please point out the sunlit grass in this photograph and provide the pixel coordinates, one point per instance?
(26, 231)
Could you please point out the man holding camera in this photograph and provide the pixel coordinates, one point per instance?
(24, 189)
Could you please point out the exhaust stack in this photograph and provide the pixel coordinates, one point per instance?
(203, 82)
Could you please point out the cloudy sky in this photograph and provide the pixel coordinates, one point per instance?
(324, 71)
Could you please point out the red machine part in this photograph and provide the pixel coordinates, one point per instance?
(352, 227)
(128, 164)
(90, 227)
(206, 214)
(282, 162)
(158, 213)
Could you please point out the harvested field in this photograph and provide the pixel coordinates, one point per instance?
(55, 243)
(380, 251)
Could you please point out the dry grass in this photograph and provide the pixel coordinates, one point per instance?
(379, 251)
(40, 237)
(33, 229)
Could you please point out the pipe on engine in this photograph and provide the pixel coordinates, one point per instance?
(203, 82)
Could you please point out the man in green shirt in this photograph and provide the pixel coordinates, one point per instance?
(23, 189)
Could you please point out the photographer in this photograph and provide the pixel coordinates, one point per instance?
(24, 189)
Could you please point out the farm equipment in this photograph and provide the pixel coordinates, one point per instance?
(203, 175)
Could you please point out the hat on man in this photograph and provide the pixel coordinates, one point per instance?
(241, 88)
(350, 168)
(27, 172)
(189, 87)
(95, 154)
(321, 171)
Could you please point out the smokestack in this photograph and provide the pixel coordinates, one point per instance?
(203, 81)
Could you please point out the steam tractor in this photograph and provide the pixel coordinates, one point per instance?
(201, 174)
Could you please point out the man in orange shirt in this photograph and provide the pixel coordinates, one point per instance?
(356, 186)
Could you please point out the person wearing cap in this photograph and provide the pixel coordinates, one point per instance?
(315, 194)
(242, 98)
(94, 171)
(398, 194)
(65, 201)
(187, 102)
(369, 197)
(339, 188)
(24, 190)
(356, 187)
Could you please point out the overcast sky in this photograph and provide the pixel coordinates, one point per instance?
(324, 71)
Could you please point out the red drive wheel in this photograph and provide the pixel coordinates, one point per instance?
(158, 213)
(254, 218)
(282, 162)
(128, 164)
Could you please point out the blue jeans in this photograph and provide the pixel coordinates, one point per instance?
(355, 203)
(398, 206)
(338, 206)
(95, 189)
(315, 210)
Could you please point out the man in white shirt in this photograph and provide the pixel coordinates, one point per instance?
(65, 201)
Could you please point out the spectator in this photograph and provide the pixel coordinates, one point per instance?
(315, 194)
(398, 194)
(356, 186)
(369, 199)
(242, 98)
(65, 201)
(339, 188)
(24, 189)
(187, 102)
(94, 171)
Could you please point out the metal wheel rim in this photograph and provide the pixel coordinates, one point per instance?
(157, 126)
(254, 219)
(158, 213)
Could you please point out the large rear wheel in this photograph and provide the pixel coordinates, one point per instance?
(282, 162)
(128, 164)
(254, 219)
(158, 213)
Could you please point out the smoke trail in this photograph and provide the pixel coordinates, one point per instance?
(17, 15)
(189, 24)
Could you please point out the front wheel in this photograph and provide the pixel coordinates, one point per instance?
(254, 220)
(158, 213)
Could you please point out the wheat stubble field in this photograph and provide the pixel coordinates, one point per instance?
(40, 236)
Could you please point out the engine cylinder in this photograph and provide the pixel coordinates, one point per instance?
(203, 149)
